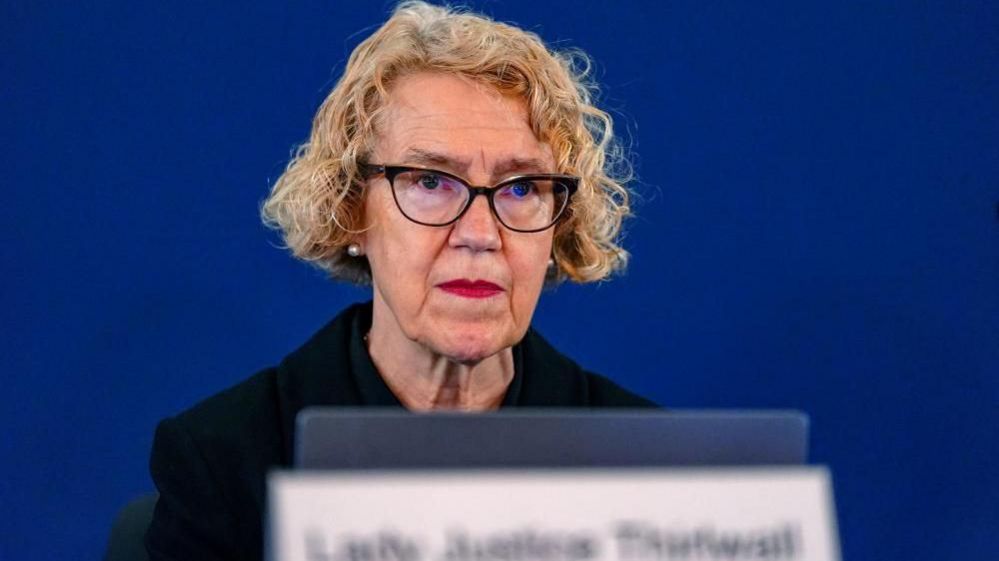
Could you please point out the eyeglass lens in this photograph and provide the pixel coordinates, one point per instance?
(436, 199)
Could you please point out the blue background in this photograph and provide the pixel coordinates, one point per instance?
(817, 230)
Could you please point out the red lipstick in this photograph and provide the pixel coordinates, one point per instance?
(470, 289)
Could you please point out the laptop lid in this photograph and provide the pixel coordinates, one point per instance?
(343, 438)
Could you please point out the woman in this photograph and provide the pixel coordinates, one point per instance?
(457, 166)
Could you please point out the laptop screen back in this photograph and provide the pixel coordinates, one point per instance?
(339, 438)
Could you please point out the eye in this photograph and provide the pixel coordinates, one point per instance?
(521, 189)
(429, 181)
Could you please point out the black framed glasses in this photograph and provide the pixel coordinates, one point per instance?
(524, 203)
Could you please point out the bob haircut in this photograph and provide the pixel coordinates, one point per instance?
(317, 203)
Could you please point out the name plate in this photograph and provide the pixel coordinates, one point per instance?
(553, 515)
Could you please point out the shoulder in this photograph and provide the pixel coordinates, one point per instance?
(208, 465)
(607, 393)
(258, 413)
(246, 416)
(553, 379)
(209, 462)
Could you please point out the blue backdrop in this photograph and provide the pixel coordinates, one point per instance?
(817, 230)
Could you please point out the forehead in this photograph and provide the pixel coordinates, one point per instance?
(469, 123)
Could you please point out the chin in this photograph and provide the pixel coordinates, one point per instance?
(470, 344)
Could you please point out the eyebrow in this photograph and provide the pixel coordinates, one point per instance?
(502, 169)
(518, 165)
(428, 158)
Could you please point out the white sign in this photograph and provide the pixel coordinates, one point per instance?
(553, 515)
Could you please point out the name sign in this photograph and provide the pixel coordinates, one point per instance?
(553, 515)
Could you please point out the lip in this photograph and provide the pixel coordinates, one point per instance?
(470, 288)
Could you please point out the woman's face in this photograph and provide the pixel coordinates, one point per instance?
(422, 275)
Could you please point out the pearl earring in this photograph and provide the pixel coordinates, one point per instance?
(551, 262)
(354, 250)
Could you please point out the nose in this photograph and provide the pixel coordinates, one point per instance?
(477, 229)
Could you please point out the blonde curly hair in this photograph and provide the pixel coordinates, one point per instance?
(317, 203)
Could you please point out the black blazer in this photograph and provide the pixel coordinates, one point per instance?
(209, 462)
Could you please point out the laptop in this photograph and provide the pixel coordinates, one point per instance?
(349, 439)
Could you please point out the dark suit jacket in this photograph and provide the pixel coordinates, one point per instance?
(209, 463)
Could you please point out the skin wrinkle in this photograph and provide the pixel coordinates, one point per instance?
(502, 170)
(435, 349)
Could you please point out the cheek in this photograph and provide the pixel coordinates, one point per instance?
(401, 253)
(529, 264)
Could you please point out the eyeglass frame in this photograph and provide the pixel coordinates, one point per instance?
(392, 171)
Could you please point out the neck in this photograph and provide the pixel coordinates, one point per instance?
(424, 380)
